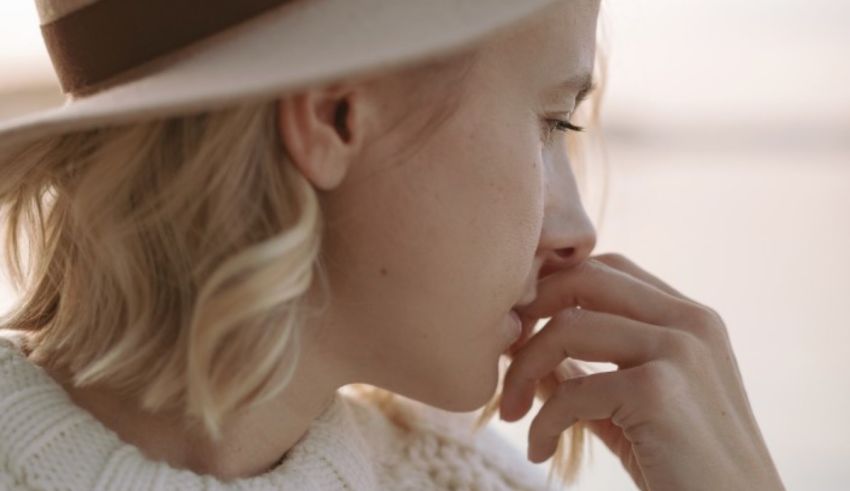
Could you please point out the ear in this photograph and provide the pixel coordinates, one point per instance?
(322, 130)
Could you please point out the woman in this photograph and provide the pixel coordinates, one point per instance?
(200, 284)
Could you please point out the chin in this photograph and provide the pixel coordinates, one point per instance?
(466, 394)
(459, 394)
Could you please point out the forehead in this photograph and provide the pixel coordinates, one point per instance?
(556, 43)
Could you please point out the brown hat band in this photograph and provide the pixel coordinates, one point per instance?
(107, 37)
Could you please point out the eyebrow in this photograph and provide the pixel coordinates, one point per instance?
(583, 84)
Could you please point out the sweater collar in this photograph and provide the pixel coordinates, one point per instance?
(41, 429)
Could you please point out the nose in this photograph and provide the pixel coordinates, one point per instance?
(568, 236)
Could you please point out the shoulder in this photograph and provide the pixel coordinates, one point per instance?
(11, 342)
(16, 371)
(12, 361)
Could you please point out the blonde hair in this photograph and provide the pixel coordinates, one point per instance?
(163, 254)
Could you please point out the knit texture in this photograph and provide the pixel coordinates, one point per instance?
(49, 443)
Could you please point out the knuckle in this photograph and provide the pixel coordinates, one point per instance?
(698, 319)
(573, 383)
(569, 316)
(569, 297)
(615, 259)
(706, 315)
(715, 317)
(671, 341)
(706, 323)
(651, 382)
(683, 312)
(588, 266)
(645, 375)
(563, 389)
(566, 390)
(691, 349)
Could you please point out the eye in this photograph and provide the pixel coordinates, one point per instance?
(561, 125)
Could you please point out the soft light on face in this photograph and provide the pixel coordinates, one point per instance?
(427, 255)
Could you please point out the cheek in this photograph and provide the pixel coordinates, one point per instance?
(461, 229)
(522, 173)
(509, 206)
(492, 184)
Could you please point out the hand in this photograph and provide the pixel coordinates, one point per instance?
(675, 411)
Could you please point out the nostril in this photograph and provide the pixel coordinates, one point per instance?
(567, 252)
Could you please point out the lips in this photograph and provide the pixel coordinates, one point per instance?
(527, 332)
(529, 295)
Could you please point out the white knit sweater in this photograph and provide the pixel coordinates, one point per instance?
(49, 443)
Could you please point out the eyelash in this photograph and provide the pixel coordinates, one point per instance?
(565, 126)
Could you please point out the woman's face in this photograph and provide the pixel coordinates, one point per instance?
(428, 252)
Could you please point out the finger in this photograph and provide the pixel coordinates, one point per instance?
(622, 263)
(581, 334)
(590, 397)
(604, 429)
(529, 325)
(595, 285)
(565, 370)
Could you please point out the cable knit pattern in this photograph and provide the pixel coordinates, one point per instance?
(48, 443)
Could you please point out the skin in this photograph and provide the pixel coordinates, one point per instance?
(428, 253)
(420, 290)
(675, 412)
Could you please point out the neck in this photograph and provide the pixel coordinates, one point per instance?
(254, 440)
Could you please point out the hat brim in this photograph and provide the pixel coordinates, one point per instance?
(297, 45)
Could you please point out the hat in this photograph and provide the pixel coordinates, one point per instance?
(124, 60)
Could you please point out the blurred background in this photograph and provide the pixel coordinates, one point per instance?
(727, 128)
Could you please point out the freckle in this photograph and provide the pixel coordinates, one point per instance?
(383, 271)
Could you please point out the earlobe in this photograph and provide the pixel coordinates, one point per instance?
(315, 130)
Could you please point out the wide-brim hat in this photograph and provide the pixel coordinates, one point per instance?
(123, 60)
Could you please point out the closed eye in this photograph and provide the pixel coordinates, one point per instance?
(561, 125)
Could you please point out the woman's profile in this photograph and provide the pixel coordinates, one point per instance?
(245, 207)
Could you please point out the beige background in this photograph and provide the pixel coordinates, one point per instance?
(728, 130)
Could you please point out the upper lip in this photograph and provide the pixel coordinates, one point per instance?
(528, 297)
(530, 292)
